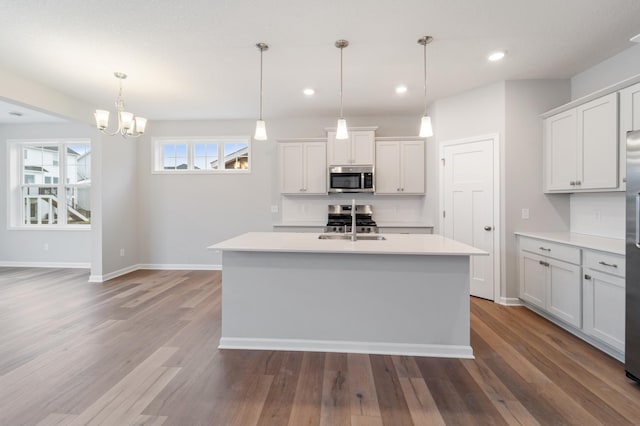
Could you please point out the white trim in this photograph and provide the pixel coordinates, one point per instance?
(442, 351)
(498, 224)
(179, 267)
(154, 266)
(510, 301)
(400, 138)
(352, 129)
(298, 140)
(65, 265)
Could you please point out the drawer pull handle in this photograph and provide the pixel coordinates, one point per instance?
(612, 265)
(543, 263)
(587, 277)
(544, 248)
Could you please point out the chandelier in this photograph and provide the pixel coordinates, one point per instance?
(128, 124)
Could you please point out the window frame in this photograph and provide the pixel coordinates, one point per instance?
(157, 157)
(15, 185)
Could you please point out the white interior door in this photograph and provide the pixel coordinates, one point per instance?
(468, 205)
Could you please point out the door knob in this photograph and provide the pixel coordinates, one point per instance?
(488, 228)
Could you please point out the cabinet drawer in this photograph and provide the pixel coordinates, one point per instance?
(546, 248)
(604, 262)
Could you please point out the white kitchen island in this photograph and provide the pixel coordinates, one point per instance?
(406, 295)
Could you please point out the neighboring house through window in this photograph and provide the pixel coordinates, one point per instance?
(202, 155)
(49, 184)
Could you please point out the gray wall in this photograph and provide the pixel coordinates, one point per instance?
(624, 65)
(523, 169)
(27, 246)
(180, 215)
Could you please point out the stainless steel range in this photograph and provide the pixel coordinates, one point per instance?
(339, 219)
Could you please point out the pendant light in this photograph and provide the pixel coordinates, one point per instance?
(261, 129)
(341, 130)
(426, 130)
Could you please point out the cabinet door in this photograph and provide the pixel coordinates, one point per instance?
(561, 146)
(604, 308)
(362, 147)
(315, 168)
(387, 167)
(564, 292)
(291, 168)
(338, 151)
(598, 152)
(412, 167)
(533, 278)
(629, 120)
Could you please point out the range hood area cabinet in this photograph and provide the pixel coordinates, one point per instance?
(581, 147)
(303, 168)
(400, 167)
(358, 150)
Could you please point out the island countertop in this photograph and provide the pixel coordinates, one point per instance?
(394, 244)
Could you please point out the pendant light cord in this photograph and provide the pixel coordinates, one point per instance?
(425, 78)
(341, 49)
(261, 51)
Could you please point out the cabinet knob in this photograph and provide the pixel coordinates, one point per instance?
(398, 189)
(488, 228)
(572, 183)
(587, 277)
(543, 263)
(578, 182)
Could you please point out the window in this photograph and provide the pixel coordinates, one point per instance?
(202, 155)
(51, 184)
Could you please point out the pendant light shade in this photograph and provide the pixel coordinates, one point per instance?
(426, 130)
(261, 128)
(341, 130)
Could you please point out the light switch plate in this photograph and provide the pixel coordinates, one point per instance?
(274, 208)
(525, 213)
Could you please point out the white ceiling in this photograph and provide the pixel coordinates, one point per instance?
(197, 59)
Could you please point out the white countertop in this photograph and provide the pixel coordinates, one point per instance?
(611, 245)
(303, 224)
(413, 244)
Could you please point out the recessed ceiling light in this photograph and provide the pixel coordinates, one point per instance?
(401, 89)
(496, 56)
(635, 38)
(16, 113)
(308, 92)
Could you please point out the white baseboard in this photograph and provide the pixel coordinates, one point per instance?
(378, 348)
(510, 301)
(179, 267)
(74, 265)
(153, 266)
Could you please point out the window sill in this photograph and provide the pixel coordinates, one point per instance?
(201, 172)
(73, 228)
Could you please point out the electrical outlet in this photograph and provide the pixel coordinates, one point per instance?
(46, 246)
(274, 208)
(122, 252)
(525, 213)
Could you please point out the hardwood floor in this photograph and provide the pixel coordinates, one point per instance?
(141, 349)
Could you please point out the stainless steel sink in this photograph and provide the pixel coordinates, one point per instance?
(367, 237)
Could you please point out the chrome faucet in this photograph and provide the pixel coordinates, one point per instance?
(353, 220)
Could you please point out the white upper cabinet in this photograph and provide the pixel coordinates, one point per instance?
(629, 120)
(400, 167)
(581, 147)
(359, 149)
(303, 167)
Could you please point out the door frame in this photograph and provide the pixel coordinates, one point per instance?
(497, 200)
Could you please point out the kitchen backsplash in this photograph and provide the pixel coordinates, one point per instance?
(386, 209)
(601, 214)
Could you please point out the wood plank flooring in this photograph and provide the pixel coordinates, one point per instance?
(142, 350)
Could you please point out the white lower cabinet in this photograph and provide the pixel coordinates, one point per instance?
(583, 288)
(604, 298)
(552, 285)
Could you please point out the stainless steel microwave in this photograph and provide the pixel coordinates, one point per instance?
(351, 179)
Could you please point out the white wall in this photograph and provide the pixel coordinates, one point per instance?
(27, 246)
(180, 215)
(622, 66)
